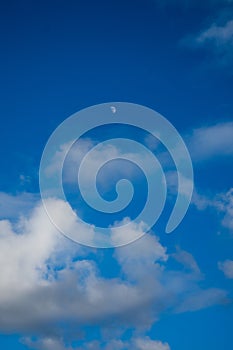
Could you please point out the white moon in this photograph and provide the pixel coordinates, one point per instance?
(113, 109)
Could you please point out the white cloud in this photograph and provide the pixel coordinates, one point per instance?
(187, 260)
(199, 299)
(225, 204)
(96, 156)
(12, 206)
(222, 203)
(211, 141)
(136, 343)
(201, 201)
(47, 281)
(126, 231)
(110, 345)
(138, 259)
(172, 181)
(46, 343)
(148, 344)
(227, 268)
(75, 155)
(30, 254)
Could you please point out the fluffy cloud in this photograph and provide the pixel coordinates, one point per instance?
(49, 284)
(227, 268)
(52, 288)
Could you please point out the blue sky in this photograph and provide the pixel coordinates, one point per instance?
(162, 292)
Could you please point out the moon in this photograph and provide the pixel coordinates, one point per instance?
(113, 109)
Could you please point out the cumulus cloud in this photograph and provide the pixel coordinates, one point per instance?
(227, 268)
(53, 288)
(49, 284)
(125, 231)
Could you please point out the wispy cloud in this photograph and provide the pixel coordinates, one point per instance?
(136, 343)
(197, 300)
(225, 205)
(211, 141)
(187, 260)
(222, 203)
(217, 35)
(12, 206)
(216, 38)
(227, 268)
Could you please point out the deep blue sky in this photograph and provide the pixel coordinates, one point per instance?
(58, 57)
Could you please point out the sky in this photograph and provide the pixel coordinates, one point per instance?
(161, 291)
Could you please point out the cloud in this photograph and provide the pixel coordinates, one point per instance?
(148, 344)
(95, 155)
(38, 267)
(187, 260)
(126, 231)
(12, 206)
(24, 179)
(216, 38)
(202, 298)
(136, 343)
(225, 205)
(211, 141)
(45, 344)
(222, 203)
(52, 288)
(217, 35)
(227, 268)
(202, 201)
